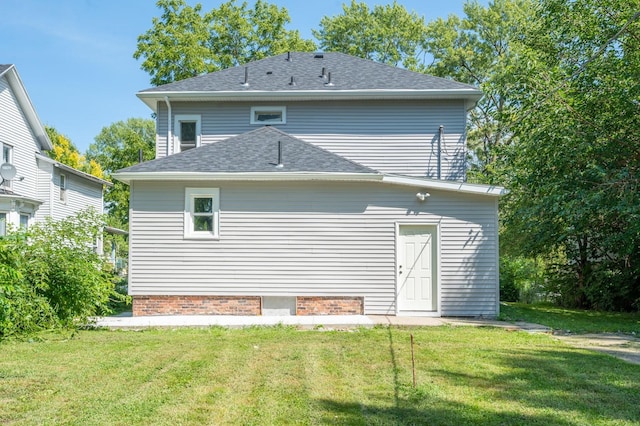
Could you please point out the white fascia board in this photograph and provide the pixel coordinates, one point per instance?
(468, 188)
(23, 198)
(72, 170)
(27, 108)
(198, 176)
(151, 98)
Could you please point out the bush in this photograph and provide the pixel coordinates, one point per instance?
(51, 276)
(521, 279)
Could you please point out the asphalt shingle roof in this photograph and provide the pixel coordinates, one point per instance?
(253, 152)
(306, 69)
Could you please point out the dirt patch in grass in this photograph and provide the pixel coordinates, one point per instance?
(620, 345)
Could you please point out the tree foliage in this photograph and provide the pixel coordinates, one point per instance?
(50, 275)
(116, 147)
(185, 42)
(574, 171)
(476, 49)
(388, 34)
(66, 152)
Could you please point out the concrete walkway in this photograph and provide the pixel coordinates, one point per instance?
(126, 321)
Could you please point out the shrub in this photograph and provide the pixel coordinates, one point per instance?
(52, 276)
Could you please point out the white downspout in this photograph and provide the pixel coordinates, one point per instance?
(169, 132)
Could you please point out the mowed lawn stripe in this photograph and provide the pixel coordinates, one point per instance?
(281, 375)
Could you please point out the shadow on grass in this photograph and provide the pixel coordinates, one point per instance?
(564, 386)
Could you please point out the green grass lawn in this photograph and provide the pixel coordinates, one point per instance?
(572, 320)
(264, 376)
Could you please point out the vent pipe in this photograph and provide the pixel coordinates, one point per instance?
(140, 157)
(289, 58)
(329, 83)
(280, 165)
(293, 81)
(440, 136)
(246, 76)
(324, 72)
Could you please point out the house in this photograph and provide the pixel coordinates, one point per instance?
(311, 183)
(33, 186)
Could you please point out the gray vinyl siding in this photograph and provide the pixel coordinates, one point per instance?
(81, 195)
(316, 238)
(399, 137)
(44, 189)
(15, 132)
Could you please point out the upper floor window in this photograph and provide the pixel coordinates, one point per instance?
(63, 188)
(269, 115)
(202, 206)
(187, 131)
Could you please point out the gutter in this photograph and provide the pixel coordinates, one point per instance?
(70, 169)
(152, 97)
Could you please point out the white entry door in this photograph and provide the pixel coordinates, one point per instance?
(417, 277)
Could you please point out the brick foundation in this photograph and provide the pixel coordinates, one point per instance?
(242, 305)
(329, 305)
(196, 305)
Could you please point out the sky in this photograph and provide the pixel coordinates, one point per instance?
(75, 57)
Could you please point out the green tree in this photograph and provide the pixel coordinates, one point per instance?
(185, 42)
(574, 173)
(388, 34)
(116, 147)
(51, 276)
(66, 153)
(476, 50)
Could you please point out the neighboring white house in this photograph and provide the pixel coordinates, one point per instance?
(41, 186)
(311, 183)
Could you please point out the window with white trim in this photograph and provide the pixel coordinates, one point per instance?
(188, 128)
(202, 212)
(3, 224)
(63, 188)
(268, 115)
(24, 221)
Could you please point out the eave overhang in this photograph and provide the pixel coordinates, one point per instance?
(73, 171)
(151, 98)
(12, 76)
(453, 186)
(445, 185)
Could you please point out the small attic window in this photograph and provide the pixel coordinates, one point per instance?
(268, 115)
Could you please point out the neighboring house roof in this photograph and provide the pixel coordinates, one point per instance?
(299, 75)
(9, 194)
(256, 151)
(11, 74)
(71, 170)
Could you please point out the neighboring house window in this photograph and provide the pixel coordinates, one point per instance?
(268, 115)
(24, 221)
(7, 154)
(3, 224)
(188, 130)
(201, 214)
(63, 188)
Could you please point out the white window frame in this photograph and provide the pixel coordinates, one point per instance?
(4, 218)
(186, 118)
(62, 180)
(190, 195)
(27, 217)
(257, 109)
